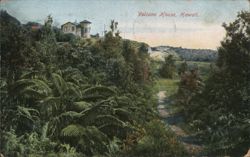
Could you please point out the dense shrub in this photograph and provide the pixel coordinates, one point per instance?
(156, 139)
(220, 111)
(168, 68)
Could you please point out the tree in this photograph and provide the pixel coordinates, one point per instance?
(168, 68)
(183, 68)
(221, 111)
(16, 50)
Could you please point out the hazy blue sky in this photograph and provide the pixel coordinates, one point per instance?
(202, 31)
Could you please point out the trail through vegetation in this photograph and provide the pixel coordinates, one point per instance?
(192, 145)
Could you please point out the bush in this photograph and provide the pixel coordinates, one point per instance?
(158, 141)
(168, 68)
(220, 111)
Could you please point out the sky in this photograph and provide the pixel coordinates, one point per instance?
(185, 23)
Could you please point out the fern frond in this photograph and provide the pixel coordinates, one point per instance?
(42, 84)
(73, 130)
(36, 84)
(59, 83)
(122, 111)
(101, 90)
(95, 134)
(92, 112)
(29, 74)
(50, 99)
(28, 113)
(87, 135)
(32, 93)
(103, 120)
(123, 101)
(44, 130)
(93, 97)
(85, 86)
(81, 105)
(57, 123)
(74, 89)
(71, 114)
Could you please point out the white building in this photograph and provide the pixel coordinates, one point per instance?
(81, 29)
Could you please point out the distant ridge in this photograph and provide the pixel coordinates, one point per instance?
(187, 54)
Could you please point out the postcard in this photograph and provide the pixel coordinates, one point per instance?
(125, 78)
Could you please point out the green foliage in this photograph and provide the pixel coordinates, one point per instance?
(168, 85)
(168, 68)
(205, 68)
(76, 98)
(220, 111)
(25, 144)
(187, 54)
(88, 139)
(183, 68)
(158, 141)
(61, 37)
(190, 86)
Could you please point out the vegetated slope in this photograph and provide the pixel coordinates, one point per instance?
(77, 97)
(185, 53)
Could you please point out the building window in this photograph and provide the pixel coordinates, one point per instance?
(73, 29)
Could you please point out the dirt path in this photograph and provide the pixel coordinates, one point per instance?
(189, 141)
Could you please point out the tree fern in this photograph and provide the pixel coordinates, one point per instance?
(89, 139)
(60, 121)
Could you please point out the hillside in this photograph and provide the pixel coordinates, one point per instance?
(66, 96)
(184, 53)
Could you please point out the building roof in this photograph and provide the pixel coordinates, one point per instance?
(85, 21)
(68, 23)
(76, 24)
(35, 27)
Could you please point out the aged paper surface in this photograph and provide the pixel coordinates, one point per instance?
(125, 78)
